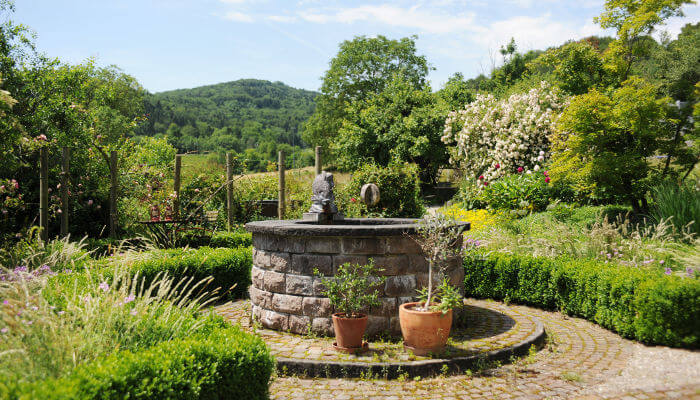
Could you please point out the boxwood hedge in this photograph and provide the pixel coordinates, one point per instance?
(227, 266)
(226, 364)
(218, 239)
(639, 304)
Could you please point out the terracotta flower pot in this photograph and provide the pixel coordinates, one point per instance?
(349, 331)
(424, 332)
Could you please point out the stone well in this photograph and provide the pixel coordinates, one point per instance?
(286, 295)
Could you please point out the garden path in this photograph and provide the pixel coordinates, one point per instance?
(580, 360)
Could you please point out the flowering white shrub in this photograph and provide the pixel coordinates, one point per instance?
(490, 138)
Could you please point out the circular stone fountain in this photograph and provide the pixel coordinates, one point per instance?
(287, 295)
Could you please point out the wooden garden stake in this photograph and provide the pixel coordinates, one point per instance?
(281, 200)
(44, 193)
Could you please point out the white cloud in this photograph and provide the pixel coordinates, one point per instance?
(281, 18)
(415, 18)
(531, 32)
(238, 17)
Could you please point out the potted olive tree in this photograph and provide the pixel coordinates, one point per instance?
(350, 292)
(425, 325)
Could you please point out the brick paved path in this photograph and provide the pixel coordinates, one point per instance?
(580, 360)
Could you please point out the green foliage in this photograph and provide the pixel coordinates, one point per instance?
(401, 123)
(227, 267)
(604, 141)
(362, 68)
(523, 193)
(632, 18)
(399, 191)
(226, 363)
(444, 298)
(638, 304)
(217, 239)
(678, 203)
(353, 288)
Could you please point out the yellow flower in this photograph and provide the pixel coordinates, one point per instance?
(479, 219)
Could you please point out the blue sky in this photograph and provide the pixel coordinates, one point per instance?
(170, 44)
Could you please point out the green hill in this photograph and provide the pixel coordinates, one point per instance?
(230, 116)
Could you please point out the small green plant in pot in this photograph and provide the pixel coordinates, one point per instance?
(425, 325)
(350, 292)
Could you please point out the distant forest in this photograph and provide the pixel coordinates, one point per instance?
(253, 118)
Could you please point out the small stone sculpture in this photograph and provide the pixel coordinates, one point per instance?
(323, 208)
(323, 196)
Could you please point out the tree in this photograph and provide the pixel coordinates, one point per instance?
(604, 142)
(456, 93)
(363, 67)
(401, 123)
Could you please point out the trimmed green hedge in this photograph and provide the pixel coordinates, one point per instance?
(218, 239)
(643, 305)
(226, 364)
(227, 266)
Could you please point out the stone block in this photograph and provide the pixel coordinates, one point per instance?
(279, 262)
(274, 320)
(376, 325)
(316, 307)
(260, 297)
(287, 303)
(290, 244)
(299, 324)
(262, 241)
(403, 285)
(386, 308)
(456, 277)
(403, 245)
(392, 265)
(322, 244)
(417, 264)
(299, 284)
(304, 264)
(318, 287)
(403, 300)
(257, 277)
(363, 245)
(274, 282)
(322, 326)
(422, 280)
(395, 325)
(341, 259)
(261, 259)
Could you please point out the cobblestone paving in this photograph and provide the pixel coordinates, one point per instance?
(488, 326)
(580, 361)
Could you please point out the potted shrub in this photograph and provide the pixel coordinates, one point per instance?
(350, 292)
(425, 325)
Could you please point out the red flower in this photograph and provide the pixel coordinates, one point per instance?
(353, 199)
(481, 177)
(497, 165)
(546, 180)
(520, 169)
(486, 183)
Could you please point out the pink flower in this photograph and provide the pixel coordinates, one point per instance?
(41, 137)
(16, 184)
(196, 190)
(133, 312)
(129, 299)
(667, 271)
(497, 165)
(104, 286)
(90, 202)
(481, 177)
(59, 211)
(520, 169)
(353, 199)
(546, 180)
(4, 330)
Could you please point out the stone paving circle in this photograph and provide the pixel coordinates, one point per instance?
(488, 333)
(579, 360)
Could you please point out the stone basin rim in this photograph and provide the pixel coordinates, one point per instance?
(348, 227)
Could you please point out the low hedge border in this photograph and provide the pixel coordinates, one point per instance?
(228, 267)
(226, 364)
(218, 239)
(643, 305)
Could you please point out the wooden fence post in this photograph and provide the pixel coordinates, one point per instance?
(318, 164)
(44, 193)
(176, 186)
(113, 194)
(281, 199)
(65, 205)
(229, 191)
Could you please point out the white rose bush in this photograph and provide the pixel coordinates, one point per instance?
(491, 138)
